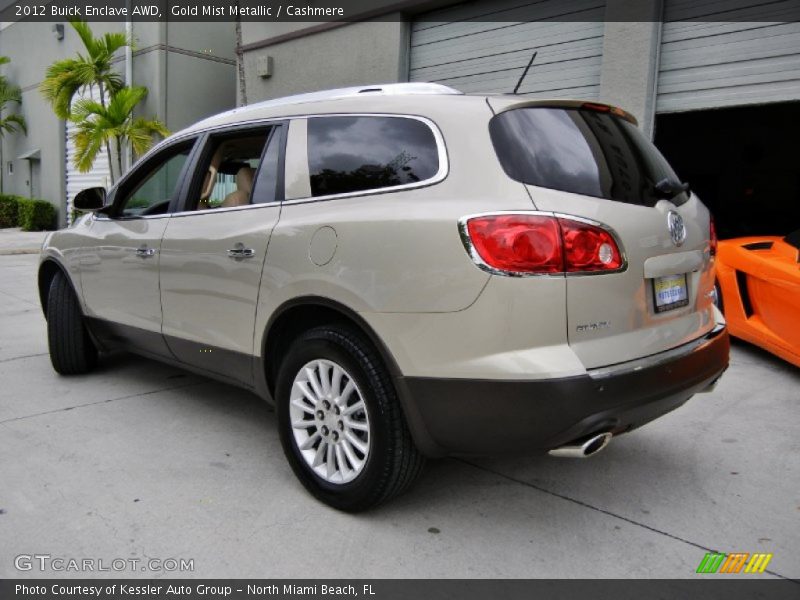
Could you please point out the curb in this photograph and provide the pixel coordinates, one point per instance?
(14, 251)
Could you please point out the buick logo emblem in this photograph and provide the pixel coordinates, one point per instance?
(677, 229)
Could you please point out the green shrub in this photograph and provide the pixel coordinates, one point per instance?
(8, 210)
(36, 215)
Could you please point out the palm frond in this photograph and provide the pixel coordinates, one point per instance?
(84, 109)
(124, 101)
(112, 42)
(141, 131)
(9, 93)
(113, 82)
(63, 79)
(87, 37)
(88, 144)
(13, 123)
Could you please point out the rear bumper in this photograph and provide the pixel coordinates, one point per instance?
(484, 417)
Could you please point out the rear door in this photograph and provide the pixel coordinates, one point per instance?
(213, 250)
(591, 163)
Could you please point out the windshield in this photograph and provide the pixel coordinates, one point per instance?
(584, 152)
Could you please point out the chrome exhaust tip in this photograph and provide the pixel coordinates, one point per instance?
(583, 448)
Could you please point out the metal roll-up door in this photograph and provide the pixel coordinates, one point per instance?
(485, 46)
(741, 52)
(98, 176)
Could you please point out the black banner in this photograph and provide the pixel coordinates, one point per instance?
(360, 10)
(391, 589)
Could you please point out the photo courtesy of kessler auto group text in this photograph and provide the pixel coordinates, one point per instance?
(399, 299)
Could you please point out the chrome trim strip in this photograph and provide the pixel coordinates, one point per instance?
(463, 232)
(95, 217)
(655, 360)
(207, 211)
(476, 258)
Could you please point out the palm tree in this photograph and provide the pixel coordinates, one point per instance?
(13, 122)
(98, 125)
(65, 78)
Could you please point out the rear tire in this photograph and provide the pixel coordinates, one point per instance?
(334, 392)
(72, 351)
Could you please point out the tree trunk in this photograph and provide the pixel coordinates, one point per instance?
(108, 145)
(119, 154)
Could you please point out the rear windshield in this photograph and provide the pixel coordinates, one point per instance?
(581, 151)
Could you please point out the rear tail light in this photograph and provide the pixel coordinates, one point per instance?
(712, 236)
(526, 244)
(518, 243)
(588, 248)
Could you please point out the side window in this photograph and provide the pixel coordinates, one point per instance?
(353, 154)
(152, 193)
(230, 170)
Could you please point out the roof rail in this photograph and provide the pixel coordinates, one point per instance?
(350, 92)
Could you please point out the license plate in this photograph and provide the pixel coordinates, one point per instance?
(670, 292)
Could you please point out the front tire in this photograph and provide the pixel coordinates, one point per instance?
(340, 422)
(72, 351)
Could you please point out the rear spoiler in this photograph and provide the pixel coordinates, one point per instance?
(507, 103)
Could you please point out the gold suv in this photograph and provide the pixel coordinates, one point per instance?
(403, 271)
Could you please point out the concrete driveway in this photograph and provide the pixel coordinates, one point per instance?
(144, 461)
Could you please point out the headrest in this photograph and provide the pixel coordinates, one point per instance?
(244, 179)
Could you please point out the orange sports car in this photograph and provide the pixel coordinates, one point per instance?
(758, 289)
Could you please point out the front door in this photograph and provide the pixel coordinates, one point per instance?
(119, 263)
(213, 251)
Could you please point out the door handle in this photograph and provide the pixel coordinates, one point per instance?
(145, 252)
(239, 252)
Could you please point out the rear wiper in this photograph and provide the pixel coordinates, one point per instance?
(668, 189)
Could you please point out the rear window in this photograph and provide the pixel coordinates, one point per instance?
(581, 151)
(354, 154)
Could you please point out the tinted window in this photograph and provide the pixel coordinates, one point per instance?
(155, 184)
(581, 151)
(352, 154)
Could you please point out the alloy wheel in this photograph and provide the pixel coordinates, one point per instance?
(330, 422)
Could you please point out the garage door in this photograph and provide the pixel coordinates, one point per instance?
(740, 53)
(98, 176)
(485, 46)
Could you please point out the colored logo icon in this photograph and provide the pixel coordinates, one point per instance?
(736, 562)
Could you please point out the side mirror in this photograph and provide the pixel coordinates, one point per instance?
(90, 199)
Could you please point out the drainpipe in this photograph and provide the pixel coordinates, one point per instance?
(128, 75)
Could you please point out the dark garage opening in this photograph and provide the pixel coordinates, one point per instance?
(743, 162)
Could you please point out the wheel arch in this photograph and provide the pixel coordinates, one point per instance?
(47, 271)
(302, 313)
